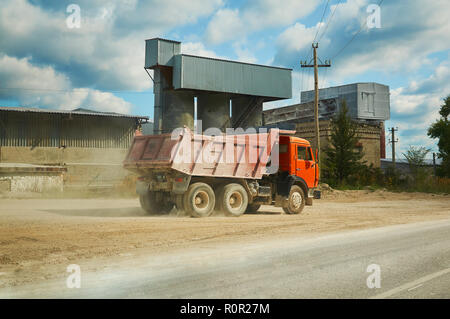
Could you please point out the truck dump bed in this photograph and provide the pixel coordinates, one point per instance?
(239, 156)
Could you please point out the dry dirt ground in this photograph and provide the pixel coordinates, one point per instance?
(40, 237)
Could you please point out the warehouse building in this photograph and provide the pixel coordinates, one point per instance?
(87, 147)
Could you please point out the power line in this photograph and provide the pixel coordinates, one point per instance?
(323, 15)
(72, 91)
(301, 83)
(354, 36)
(329, 20)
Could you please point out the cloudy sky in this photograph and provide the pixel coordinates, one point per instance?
(44, 63)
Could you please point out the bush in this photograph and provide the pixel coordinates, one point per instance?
(373, 178)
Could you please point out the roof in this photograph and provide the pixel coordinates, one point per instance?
(78, 111)
(349, 85)
(162, 39)
(238, 62)
(295, 139)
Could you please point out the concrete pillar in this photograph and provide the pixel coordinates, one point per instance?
(172, 109)
(158, 86)
(214, 111)
(239, 105)
(178, 110)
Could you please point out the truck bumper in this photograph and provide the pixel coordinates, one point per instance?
(309, 197)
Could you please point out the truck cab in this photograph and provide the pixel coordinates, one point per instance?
(298, 159)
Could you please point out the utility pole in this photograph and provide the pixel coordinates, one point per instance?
(434, 164)
(393, 141)
(316, 67)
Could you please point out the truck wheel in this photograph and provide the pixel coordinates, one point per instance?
(152, 205)
(296, 201)
(199, 200)
(252, 208)
(233, 199)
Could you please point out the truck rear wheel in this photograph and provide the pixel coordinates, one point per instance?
(199, 200)
(153, 204)
(233, 200)
(296, 201)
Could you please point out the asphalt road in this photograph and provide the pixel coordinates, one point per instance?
(413, 259)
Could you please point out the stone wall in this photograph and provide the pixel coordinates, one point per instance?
(369, 138)
(32, 183)
(85, 166)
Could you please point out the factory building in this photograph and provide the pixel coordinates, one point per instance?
(368, 105)
(85, 147)
(225, 93)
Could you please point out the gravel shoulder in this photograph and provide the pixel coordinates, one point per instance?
(39, 238)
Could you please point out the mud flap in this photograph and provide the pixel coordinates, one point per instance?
(142, 187)
(181, 184)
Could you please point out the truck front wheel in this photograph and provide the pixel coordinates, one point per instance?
(154, 204)
(296, 201)
(233, 199)
(199, 200)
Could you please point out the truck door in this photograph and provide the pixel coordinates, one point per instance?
(304, 166)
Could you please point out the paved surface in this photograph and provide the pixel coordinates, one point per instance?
(414, 260)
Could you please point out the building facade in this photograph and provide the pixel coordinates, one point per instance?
(368, 105)
(90, 145)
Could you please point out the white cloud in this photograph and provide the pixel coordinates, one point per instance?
(47, 88)
(107, 52)
(297, 37)
(20, 73)
(228, 24)
(244, 54)
(416, 106)
(197, 48)
(408, 34)
(225, 25)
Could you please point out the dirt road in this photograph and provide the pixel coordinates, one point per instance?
(39, 238)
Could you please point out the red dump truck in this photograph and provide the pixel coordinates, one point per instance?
(233, 173)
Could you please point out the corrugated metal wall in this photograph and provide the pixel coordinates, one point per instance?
(57, 130)
(368, 101)
(199, 73)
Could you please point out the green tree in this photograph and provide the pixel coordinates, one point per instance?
(441, 130)
(416, 160)
(342, 157)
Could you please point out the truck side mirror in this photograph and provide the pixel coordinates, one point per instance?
(317, 156)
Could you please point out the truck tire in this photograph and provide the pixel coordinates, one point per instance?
(152, 206)
(252, 208)
(199, 200)
(233, 200)
(296, 200)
